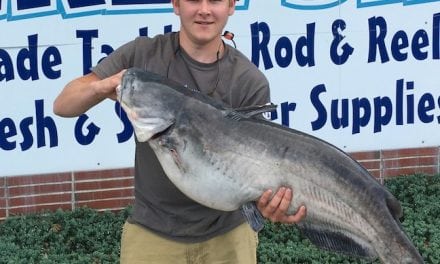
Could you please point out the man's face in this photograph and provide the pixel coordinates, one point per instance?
(202, 21)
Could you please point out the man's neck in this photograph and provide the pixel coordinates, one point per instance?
(205, 53)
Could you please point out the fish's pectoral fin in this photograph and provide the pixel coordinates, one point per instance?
(394, 206)
(251, 111)
(146, 128)
(329, 238)
(253, 216)
(232, 115)
(238, 114)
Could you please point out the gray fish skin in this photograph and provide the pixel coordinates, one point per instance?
(222, 159)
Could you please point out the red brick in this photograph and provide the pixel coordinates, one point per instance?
(39, 189)
(410, 152)
(2, 214)
(108, 194)
(2, 188)
(375, 173)
(370, 165)
(106, 204)
(40, 199)
(104, 184)
(367, 155)
(409, 171)
(104, 174)
(38, 179)
(2, 203)
(410, 162)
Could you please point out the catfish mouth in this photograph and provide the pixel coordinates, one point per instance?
(132, 115)
(149, 122)
(123, 105)
(125, 85)
(119, 92)
(162, 133)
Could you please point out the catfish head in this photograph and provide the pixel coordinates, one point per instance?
(150, 104)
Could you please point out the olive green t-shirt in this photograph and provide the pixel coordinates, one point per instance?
(233, 79)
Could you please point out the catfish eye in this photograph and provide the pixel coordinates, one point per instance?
(135, 86)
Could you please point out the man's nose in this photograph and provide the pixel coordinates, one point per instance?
(204, 8)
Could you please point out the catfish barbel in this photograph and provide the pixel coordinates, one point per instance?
(225, 159)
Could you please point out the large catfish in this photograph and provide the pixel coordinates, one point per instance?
(225, 158)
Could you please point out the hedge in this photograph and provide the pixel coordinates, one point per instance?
(88, 236)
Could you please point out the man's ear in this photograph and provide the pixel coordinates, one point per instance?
(232, 7)
(176, 6)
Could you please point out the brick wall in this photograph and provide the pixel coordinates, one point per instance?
(390, 163)
(102, 190)
(113, 189)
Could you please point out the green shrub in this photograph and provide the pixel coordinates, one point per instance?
(79, 236)
(87, 236)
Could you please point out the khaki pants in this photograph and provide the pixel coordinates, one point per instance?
(139, 245)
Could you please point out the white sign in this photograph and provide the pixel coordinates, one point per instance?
(359, 74)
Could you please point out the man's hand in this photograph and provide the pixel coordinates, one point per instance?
(107, 87)
(275, 209)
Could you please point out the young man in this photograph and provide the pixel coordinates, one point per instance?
(166, 226)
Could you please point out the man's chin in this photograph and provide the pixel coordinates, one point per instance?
(205, 39)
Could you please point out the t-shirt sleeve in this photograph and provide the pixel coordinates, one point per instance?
(249, 83)
(255, 87)
(260, 92)
(121, 58)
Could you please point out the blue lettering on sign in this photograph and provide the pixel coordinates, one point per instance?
(25, 9)
(2, 9)
(347, 50)
(401, 44)
(39, 127)
(87, 36)
(325, 4)
(135, 2)
(301, 50)
(26, 4)
(379, 111)
(127, 131)
(91, 130)
(28, 62)
(311, 5)
(287, 108)
(84, 3)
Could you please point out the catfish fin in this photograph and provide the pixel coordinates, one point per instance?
(253, 216)
(233, 115)
(146, 128)
(394, 206)
(251, 111)
(326, 237)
